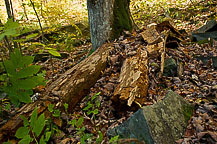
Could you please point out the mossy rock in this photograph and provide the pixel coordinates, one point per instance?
(161, 123)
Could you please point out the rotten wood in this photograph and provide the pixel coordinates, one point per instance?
(70, 88)
(76, 82)
(133, 80)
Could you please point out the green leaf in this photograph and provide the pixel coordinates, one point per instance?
(2, 36)
(66, 106)
(24, 97)
(25, 120)
(10, 68)
(26, 140)
(100, 137)
(25, 61)
(72, 122)
(10, 24)
(26, 84)
(8, 107)
(33, 118)
(95, 111)
(28, 71)
(114, 139)
(56, 113)
(47, 136)
(31, 36)
(89, 105)
(51, 107)
(39, 125)
(22, 132)
(80, 122)
(39, 80)
(54, 53)
(42, 140)
(16, 57)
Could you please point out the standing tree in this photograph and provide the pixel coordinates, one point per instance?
(108, 19)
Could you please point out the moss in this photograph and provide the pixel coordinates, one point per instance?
(187, 111)
(122, 20)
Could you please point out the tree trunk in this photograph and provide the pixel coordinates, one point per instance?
(107, 19)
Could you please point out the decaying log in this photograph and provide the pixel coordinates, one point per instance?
(70, 88)
(133, 80)
(76, 82)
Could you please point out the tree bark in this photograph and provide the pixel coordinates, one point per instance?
(107, 20)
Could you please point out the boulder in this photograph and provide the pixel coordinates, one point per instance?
(161, 123)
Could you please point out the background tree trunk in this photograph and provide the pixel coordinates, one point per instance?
(107, 19)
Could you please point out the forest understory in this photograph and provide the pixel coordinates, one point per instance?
(175, 62)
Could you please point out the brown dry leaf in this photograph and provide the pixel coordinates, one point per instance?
(58, 121)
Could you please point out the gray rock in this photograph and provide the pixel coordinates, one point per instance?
(161, 123)
(170, 67)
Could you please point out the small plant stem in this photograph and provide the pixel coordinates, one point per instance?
(34, 137)
(7, 43)
(24, 10)
(51, 61)
(33, 6)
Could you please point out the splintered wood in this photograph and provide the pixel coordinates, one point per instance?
(154, 40)
(133, 80)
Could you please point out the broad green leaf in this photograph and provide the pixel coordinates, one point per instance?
(26, 84)
(10, 32)
(10, 24)
(24, 97)
(10, 68)
(25, 61)
(47, 136)
(39, 125)
(54, 53)
(26, 140)
(39, 80)
(28, 71)
(2, 36)
(15, 57)
(22, 132)
(42, 140)
(33, 118)
(25, 120)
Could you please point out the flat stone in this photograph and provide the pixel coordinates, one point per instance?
(161, 123)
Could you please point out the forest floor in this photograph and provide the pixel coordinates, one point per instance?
(196, 82)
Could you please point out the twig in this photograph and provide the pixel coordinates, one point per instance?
(33, 6)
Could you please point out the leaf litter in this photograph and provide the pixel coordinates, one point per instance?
(193, 78)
